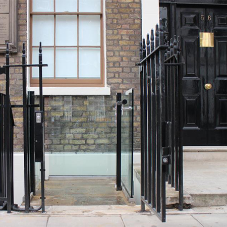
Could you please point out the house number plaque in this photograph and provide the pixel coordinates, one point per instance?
(8, 25)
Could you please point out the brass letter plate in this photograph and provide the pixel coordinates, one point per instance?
(206, 39)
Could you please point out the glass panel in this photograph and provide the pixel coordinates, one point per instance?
(66, 30)
(43, 5)
(81, 135)
(48, 58)
(89, 30)
(90, 6)
(89, 63)
(66, 62)
(127, 142)
(43, 30)
(66, 6)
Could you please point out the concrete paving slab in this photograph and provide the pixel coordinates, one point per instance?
(85, 222)
(211, 210)
(212, 220)
(22, 221)
(199, 210)
(92, 210)
(153, 221)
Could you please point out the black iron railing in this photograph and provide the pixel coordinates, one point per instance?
(6, 153)
(161, 137)
(32, 126)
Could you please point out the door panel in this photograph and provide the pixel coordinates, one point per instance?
(217, 76)
(205, 111)
(190, 22)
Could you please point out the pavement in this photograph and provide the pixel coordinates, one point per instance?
(115, 216)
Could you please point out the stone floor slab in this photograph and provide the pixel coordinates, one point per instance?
(22, 221)
(153, 221)
(92, 210)
(212, 220)
(85, 222)
(80, 192)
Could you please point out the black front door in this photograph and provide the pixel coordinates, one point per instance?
(204, 77)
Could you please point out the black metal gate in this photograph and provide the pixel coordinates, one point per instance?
(33, 130)
(161, 121)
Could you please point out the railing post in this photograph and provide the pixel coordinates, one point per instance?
(154, 151)
(41, 104)
(32, 139)
(2, 153)
(7, 134)
(142, 127)
(132, 125)
(118, 153)
(149, 68)
(25, 128)
(159, 123)
(180, 127)
(145, 122)
(163, 120)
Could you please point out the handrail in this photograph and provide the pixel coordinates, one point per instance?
(161, 47)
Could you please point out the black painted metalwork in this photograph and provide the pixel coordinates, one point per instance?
(161, 121)
(31, 116)
(118, 153)
(6, 138)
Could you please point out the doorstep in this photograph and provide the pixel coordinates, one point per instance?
(204, 182)
(172, 196)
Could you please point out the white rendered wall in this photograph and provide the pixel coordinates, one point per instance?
(150, 16)
(18, 170)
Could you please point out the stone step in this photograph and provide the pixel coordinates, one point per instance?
(172, 196)
(204, 153)
(204, 184)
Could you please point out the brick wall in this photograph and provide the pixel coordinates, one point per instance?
(123, 35)
(15, 74)
(80, 124)
(76, 126)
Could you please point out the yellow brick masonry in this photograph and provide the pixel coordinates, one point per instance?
(123, 35)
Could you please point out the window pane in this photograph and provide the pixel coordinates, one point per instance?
(90, 6)
(43, 30)
(66, 30)
(43, 5)
(89, 30)
(48, 58)
(89, 63)
(66, 62)
(66, 5)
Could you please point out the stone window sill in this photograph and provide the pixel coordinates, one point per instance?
(72, 90)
